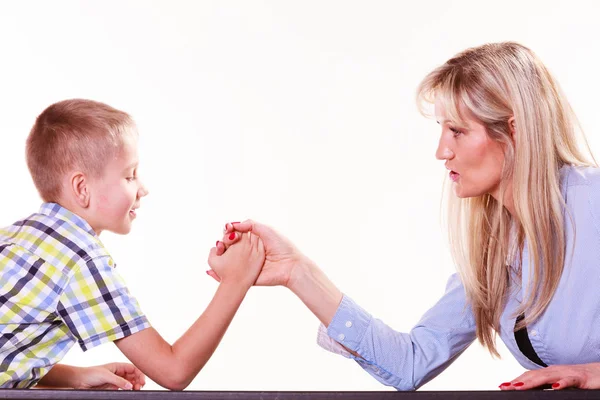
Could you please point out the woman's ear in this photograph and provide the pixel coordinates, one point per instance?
(512, 127)
(79, 189)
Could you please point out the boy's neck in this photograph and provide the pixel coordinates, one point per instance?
(81, 212)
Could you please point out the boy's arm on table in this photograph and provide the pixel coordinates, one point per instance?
(175, 366)
(109, 376)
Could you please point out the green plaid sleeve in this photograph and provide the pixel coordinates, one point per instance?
(96, 305)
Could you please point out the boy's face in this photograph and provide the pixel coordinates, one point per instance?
(117, 193)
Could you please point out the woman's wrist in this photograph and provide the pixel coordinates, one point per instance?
(316, 291)
(300, 272)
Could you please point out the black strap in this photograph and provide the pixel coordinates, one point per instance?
(524, 343)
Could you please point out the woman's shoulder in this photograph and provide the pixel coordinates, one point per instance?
(580, 180)
(572, 175)
(581, 190)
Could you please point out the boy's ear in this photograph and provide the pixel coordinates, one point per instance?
(80, 190)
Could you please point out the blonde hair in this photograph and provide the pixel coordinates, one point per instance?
(496, 82)
(74, 134)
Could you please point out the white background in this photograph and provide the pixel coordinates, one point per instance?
(299, 114)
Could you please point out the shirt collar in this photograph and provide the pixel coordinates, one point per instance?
(564, 179)
(58, 211)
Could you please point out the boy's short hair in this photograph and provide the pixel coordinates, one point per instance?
(74, 134)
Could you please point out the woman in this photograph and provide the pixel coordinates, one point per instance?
(524, 228)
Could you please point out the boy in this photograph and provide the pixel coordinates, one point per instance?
(58, 283)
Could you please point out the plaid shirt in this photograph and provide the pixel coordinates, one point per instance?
(58, 286)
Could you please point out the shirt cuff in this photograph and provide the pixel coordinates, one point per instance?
(118, 332)
(329, 344)
(349, 324)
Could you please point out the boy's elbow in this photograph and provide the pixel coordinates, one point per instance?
(175, 383)
(175, 386)
(178, 379)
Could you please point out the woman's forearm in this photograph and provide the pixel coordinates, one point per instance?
(316, 291)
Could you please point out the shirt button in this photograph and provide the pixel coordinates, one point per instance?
(534, 333)
(341, 337)
(348, 324)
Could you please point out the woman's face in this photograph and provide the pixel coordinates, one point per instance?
(474, 160)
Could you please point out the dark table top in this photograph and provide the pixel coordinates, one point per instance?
(271, 395)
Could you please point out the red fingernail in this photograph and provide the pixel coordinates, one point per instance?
(519, 384)
(208, 272)
(506, 384)
(556, 386)
(232, 236)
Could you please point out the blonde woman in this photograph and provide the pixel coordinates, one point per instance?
(524, 225)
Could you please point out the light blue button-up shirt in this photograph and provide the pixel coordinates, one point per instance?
(568, 332)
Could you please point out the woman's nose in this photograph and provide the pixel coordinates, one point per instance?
(443, 152)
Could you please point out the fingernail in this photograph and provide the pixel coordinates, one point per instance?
(217, 244)
(556, 386)
(505, 384)
(519, 384)
(235, 223)
(232, 236)
(208, 272)
(128, 386)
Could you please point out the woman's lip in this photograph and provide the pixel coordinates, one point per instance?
(454, 176)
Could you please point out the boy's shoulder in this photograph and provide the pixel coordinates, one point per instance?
(55, 235)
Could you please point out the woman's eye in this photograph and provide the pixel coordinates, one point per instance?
(455, 131)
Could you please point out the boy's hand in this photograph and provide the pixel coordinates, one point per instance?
(111, 376)
(241, 263)
(282, 258)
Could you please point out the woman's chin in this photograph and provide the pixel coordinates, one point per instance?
(461, 193)
(458, 192)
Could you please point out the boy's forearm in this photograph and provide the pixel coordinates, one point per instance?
(60, 376)
(195, 347)
(175, 366)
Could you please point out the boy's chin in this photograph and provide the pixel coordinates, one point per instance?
(122, 230)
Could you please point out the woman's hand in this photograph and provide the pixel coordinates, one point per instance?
(285, 265)
(281, 257)
(582, 376)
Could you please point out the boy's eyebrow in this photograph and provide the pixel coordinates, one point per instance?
(132, 165)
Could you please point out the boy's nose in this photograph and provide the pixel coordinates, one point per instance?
(143, 190)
